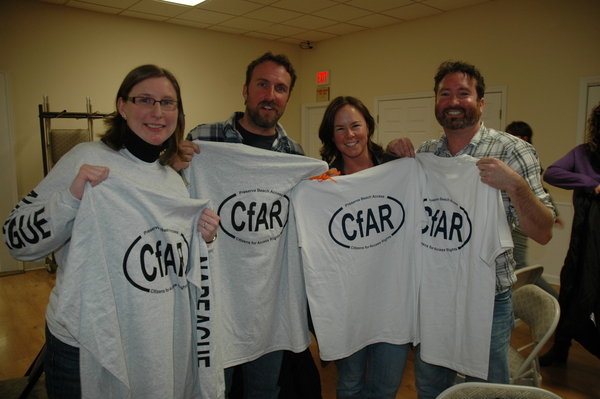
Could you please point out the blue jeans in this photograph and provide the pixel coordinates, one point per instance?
(373, 372)
(259, 377)
(431, 380)
(61, 365)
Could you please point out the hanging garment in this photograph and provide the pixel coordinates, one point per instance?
(258, 275)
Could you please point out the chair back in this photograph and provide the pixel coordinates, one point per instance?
(485, 390)
(62, 140)
(540, 311)
(528, 275)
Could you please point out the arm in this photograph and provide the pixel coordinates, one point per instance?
(535, 218)
(402, 147)
(42, 222)
(573, 171)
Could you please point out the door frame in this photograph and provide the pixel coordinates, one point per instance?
(8, 265)
(582, 116)
(305, 120)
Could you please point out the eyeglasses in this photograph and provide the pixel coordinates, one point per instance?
(147, 102)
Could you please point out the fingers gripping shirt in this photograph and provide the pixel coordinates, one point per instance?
(258, 278)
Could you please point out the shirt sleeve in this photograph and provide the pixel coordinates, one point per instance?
(566, 174)
(42, 221)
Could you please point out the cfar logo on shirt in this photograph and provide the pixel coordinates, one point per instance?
(448, 226)
(157, 261)
(367, 222)
(254, 216)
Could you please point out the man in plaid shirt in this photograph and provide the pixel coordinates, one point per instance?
(506, 163)
(269, 83)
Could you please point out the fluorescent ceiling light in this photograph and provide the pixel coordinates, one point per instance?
(185, 2)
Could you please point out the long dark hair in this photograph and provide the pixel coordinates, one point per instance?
(592, 137)
(329, 150)
(116, 126)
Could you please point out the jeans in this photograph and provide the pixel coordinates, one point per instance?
(259, 377)
(431, 380)
(373, 372)
(61, 365)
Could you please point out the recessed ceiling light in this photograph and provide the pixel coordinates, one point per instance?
(185, 2)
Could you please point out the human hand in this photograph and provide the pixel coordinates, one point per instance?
(184, 155)
(559, 222)
(402, 147)
(87, 173)
(597, 190)
(208, 225)
(498, 174)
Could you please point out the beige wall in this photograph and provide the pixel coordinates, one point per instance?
(539, 49)
(69, 54)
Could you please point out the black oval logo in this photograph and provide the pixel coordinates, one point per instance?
(367, 222)
(255, 216)
(157, 261)
(448, 227)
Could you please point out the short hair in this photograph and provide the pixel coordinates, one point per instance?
(116, 125)
(448, 67)
(329, 150)
(519, 128)
(279, 59)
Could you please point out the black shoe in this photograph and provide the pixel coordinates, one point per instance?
(557, 354)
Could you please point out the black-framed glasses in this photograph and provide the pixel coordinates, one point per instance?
(148, 102)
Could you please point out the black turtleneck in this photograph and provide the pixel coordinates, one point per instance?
(141, 149)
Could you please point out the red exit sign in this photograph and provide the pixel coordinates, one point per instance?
(323, 78)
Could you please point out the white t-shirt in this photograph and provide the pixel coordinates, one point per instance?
(467, 230)
(361, 256)
(259, 280)
(125, 298)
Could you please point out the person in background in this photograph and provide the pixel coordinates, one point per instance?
(141, 139)
(523, 131)
(579, 300)
(505, 163)
(270, 80)
(346, 134)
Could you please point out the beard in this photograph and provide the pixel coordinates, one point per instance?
(258, 120)
(468, 118)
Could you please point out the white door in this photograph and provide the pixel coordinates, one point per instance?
(312, 114)
(413, 116)
(8, 177)
(492, 111)
(405, 117)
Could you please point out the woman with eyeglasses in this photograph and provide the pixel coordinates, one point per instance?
(118, 323)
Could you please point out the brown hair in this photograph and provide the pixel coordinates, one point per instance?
(116, 126)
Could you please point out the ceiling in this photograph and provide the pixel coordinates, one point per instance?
(290, 21)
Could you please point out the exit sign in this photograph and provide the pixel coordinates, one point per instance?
(323, 78)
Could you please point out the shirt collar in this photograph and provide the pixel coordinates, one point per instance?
(475, 140)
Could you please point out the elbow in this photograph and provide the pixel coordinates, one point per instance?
(544, 237)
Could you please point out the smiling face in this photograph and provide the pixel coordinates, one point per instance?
(457, 106)
(152, 124)
(266, 97)
(351, 132)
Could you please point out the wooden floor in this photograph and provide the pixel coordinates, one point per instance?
(23, 299)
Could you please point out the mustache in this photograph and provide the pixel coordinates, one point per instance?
(271, 104)
(454, 109)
